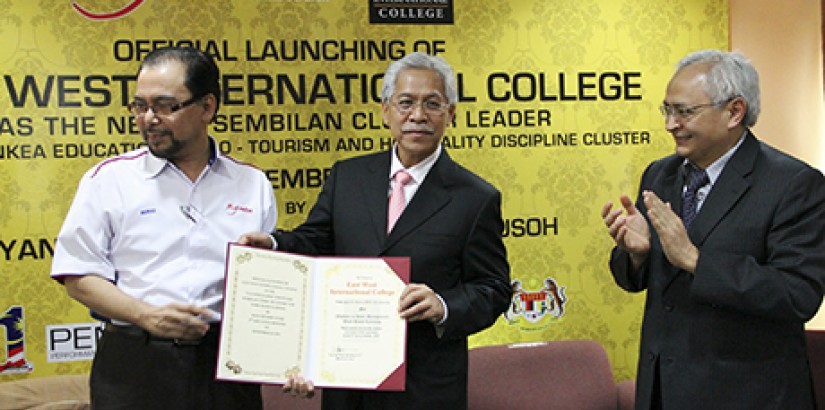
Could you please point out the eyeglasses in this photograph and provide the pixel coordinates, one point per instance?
(162, 107)
(431, 107)
(683, 112)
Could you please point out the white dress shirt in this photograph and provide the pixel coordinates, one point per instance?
(142, 224)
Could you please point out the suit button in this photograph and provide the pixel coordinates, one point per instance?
(651, 357)
(669, 361)
(668, 308)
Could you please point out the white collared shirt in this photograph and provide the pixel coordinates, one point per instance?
(139, 222)
(418, 172)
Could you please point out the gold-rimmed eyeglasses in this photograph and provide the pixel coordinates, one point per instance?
(431, 107)
(161, 107)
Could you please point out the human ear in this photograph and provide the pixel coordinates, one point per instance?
(737, 108)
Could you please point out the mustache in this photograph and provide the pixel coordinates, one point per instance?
(418, 129)
(158, 131)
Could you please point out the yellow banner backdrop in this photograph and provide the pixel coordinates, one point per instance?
(558, 109)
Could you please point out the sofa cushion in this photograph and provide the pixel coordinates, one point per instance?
(627, 394)
(816, 357)
(569, 374)
(65, 392)
(275, 399)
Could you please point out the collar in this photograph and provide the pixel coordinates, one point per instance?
(418, 171)
(153, 165)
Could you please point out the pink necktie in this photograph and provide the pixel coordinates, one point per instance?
(397, 200)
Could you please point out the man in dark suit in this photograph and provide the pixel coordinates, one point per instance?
(735, 269)
(451, 229)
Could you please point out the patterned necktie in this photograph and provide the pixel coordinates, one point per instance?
(695, 179)
(397, 199)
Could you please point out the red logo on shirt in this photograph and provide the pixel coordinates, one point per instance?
(232, 209)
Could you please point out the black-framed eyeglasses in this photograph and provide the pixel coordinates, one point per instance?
(683, 112)
(161, 107)
(431, 107)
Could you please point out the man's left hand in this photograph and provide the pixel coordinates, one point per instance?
(419, 302)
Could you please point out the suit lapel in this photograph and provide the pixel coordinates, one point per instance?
(726, 191)
(430, 197)
(672, 187)
(374, 188)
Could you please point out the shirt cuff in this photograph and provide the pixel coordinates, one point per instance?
(439, 327)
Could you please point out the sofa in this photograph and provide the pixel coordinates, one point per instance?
(557, 375)
(546, 375)
(572, 374)
(816, 356)
(275, 399)
(66, 392)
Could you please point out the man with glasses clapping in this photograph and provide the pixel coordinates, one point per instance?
(727, 236)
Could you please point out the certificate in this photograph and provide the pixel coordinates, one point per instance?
(334, 320)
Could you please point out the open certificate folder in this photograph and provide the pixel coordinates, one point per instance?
(334, 320)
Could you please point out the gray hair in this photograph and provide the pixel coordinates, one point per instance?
(419, 60)
(730, 75)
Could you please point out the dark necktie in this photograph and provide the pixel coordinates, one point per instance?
(696, 178)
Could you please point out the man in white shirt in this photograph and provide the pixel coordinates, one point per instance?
(145, 239)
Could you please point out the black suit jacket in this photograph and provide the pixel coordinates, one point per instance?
(452, 232)
(732, 335)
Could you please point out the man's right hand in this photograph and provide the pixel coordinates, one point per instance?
(630, 232)
(176, 321)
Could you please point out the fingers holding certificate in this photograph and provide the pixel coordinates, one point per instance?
(419, 302)
(332, 320)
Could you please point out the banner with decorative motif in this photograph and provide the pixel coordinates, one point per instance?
(558, 109)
